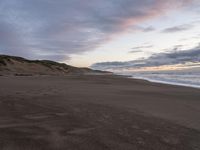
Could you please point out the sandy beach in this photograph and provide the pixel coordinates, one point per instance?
(97, 112)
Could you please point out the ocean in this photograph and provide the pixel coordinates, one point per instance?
(189, 79)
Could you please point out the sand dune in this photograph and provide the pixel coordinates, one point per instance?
(12, 65)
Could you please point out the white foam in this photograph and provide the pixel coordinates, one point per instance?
(167, 82)
(187, 79)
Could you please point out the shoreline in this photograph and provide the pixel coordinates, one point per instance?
(159, 81)
(165, 82)
(114, 75)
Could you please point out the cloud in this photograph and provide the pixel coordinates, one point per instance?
(135, 51)
(144, 29)
(140, 48)
(159, 59)
(35, 28)
(180, 28)
(148, 29)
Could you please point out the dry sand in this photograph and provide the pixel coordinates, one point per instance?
(97, 113)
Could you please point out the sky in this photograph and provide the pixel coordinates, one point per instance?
(103, 34)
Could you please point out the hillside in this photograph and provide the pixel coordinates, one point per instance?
(12, 65)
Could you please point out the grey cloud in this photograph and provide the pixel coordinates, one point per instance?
(148, 29)
(38, 28)
(178, 28)
(135, 51)
(174, 49)
(173, 58)
(140, 48)
(55, 57)
(144, 29)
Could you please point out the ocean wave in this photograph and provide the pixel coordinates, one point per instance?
(189, 79)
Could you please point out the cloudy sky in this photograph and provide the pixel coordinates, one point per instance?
(116, 32)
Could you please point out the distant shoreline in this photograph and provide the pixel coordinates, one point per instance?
(165, 82)
(126, 76)
(160, 81)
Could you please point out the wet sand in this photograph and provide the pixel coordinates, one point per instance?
(97, 113)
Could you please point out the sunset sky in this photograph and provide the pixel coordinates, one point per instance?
(119, 33)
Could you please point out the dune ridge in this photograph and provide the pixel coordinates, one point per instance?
(12, 65)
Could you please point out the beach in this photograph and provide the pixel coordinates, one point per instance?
(97, 112)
